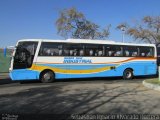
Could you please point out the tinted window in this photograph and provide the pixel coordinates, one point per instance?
(60, 49)
(50, 49)
(146, 51)
(113, 51)
(73, 50)
(158, 51)
(94, 50)
(130, 51)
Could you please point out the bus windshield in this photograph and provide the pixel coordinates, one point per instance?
(24, 55)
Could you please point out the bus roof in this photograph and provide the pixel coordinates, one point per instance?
(87, 41)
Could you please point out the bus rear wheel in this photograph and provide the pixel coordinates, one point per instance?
(128, 74)
(47, 77)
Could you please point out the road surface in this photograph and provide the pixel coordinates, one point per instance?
(100, 96)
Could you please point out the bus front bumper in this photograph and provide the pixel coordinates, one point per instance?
(24, 74)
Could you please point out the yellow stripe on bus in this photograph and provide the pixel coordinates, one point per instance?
(70, 71)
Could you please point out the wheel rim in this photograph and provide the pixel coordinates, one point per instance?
(128, 74)
(47, 77)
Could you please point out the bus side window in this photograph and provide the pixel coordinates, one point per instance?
(118, 53)
(146, 51)
(91, 53)
(66, 52)
(81, 52)
(111, 53)
(60, 52)
(130, 51)
(41, 52)
(74, 49)
(113, 50)
(55, 52)
(100, 53)
(126, 53)
(150, 53)
(96, 53)
(52, 52)
(142, 54)
(48, 52)
(93, 50)
(71, 52)
(134, 54)
(75, 52)
(50, 49)
(107, 53)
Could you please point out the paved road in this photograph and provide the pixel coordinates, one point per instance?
(82, 96)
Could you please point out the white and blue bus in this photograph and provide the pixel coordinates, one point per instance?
(47, 60)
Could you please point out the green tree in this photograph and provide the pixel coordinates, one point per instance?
(73, 24)
(148, 30)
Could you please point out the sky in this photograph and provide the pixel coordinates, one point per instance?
(29, 19)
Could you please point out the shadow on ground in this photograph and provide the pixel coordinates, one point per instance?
(56, 100)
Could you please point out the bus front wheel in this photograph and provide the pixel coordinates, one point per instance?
(47, 77)
(128, 74)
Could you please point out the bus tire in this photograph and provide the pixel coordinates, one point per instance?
(128, 74)
(47, 76)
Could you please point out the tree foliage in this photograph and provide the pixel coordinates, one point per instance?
(148, 30)
(73, 24)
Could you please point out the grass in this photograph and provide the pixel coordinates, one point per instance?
(154, 81)
(4, 62)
